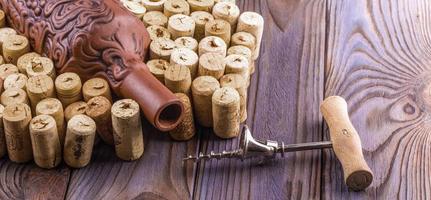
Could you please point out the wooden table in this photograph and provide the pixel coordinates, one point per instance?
(374, 53)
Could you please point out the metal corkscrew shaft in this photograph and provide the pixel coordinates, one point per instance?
(304, 146)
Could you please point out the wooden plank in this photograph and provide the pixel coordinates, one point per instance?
(284, 105)
(159, 174)
(379, 60)
(18, 181)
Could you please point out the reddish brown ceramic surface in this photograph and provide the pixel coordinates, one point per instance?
(97, 38)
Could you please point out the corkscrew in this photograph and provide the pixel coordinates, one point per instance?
(345, 142)
(251, 147)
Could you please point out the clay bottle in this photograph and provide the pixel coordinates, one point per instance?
(97, 38)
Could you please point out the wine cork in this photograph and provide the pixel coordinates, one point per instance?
(240, 50)
(45, 141)
(25, 60)
(78, 146)
(173, 7)
(53, 107)
(127, 129)
(74, 109)
(238, 83)
(40, 66)
(226, 112)
(157, 31)
(187, 42)
(16, 119)
(252, 23)
(186, 57)
(158, 67)
(227, 11)
(219, 28)
(201, 5)
(162, 48)
(3, 149)
(2, 60)
(153, 5)
(136, 1)
(231, 1)
(7, 69)
(14, 47)
(136, 8)
(39, 88)
(155, 18)
(68, 86)
(201, 18)
(244, 51)
(1, 85)
(99, 109)
(2, 19)
(96, 87)
(180, 25)
(245, 39)
(212, 44)
(15, 81)
(186, 129)
(211, 64)
(178, 79)
(5, 33)
(203, 88)
(237, 64)
(14, 95)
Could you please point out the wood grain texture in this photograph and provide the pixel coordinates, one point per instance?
(376, 54)
(378, 58)
(18, 181)
(159, 174)
(283, 105)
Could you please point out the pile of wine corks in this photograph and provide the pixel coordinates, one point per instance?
(48, 118)
(205, 52)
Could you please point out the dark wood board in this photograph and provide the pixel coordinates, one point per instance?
(378, 58)
(159, 174)
(283, 104)
(376, 54)
(27, 181)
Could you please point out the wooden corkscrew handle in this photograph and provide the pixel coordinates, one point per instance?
(346, 143)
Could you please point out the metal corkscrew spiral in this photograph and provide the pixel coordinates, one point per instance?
(212, 155)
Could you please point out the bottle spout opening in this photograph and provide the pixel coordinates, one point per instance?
(159, 105)
(169, 117)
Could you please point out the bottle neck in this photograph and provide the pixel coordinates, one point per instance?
(159, 105)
